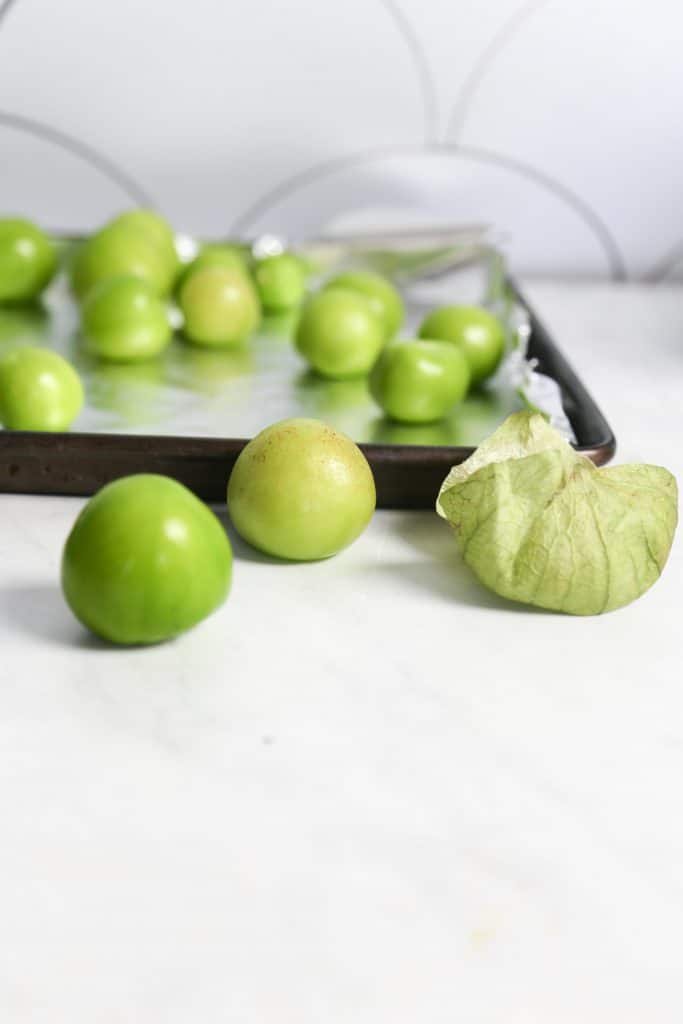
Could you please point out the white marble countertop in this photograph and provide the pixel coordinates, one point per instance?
(365, 791)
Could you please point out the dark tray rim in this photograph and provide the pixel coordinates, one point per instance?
(406, 476)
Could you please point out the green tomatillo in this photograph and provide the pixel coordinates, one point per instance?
(28, 260)
(158, 229)
(145, 561)
(477, 332)
(125, 321)
(219, 305)
(121, 248)
(280, 281)
(339, 333)
(381, 294)
(301, 490)
(419, 381)
(214, 254)
(39, 390)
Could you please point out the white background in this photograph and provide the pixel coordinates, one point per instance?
(556, 121)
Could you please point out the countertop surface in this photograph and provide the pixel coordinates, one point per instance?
(365, 791)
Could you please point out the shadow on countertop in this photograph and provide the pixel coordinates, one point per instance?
(38, 610)
(442, 572)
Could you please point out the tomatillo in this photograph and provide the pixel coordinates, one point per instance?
(125, 321)
(340, 334)
(381, 294)
(280, 281)
(220, 306)
(156, 228)
(28, 260)
(214, 255)
(121, 248)
(419, 381)
(145, 561)
(479, 334)
(301, 490)
(39, 390)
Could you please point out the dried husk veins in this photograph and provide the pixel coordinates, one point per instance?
(540, 524)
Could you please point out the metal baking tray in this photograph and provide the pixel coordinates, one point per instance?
(189, 413)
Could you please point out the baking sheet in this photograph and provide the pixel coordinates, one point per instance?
(233, 393)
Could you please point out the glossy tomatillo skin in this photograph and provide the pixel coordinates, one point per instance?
(477, 332)
(158, 230)
(39, 390)
(419, 381)
(121, 248)
(220, 306)
(381, 294)
(28, 260)
(124, 321)
(214, 255)
(280, 281)
(339, 334)
(145, 561)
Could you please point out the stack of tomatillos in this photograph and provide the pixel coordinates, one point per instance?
(348, 329)
(126, 273)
